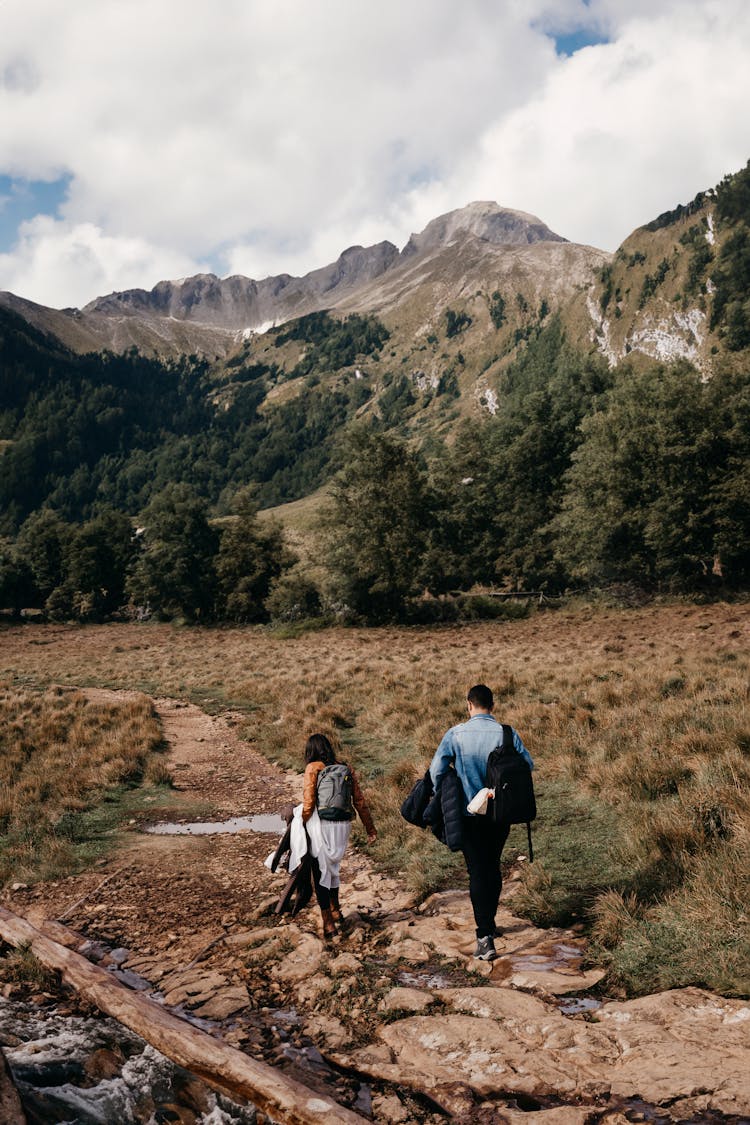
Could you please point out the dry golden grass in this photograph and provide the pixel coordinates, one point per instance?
(58, 752)
(641, 713)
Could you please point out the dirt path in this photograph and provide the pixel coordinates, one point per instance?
(180, 892)
(397, 1002)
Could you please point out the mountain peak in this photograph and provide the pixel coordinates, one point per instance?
(487, 221)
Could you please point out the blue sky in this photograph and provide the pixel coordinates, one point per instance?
(160, 138)
(567, 44)
(23, 199)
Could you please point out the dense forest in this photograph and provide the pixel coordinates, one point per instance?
(126, 482)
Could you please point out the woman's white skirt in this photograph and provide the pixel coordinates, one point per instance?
(328, 841)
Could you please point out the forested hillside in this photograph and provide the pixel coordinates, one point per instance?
(132, 481)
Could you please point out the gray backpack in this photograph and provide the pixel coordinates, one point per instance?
(335, 793)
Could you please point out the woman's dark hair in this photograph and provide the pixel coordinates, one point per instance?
(319, 749)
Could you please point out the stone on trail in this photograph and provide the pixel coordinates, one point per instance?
(556, 983)
(310, 991)
(225, 1003)
(390, 1109)
(245, 939)
(302, 962)
(406, 1000)
(559, 1115)
(344, 963)
(329, 1030)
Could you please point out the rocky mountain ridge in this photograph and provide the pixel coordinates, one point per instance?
(501, 272)
(210, 315)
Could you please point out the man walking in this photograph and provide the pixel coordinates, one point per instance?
(467, 747)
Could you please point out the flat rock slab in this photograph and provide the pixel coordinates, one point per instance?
(304, 961)
(682, 1044)
(547, 960)
(224, 1003)
(406, 1000)
(687, 1045)
(556, 983)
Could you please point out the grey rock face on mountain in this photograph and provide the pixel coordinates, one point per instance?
(486, 221)
(236, 303)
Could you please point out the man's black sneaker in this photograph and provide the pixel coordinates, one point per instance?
(485, 950)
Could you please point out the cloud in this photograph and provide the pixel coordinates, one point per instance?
(623, 131)
(62, 264)
(265, 136)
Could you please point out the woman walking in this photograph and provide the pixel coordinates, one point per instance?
(334, 794)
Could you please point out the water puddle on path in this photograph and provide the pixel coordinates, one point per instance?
(577, 1005)
(557, 957)
(269, 823)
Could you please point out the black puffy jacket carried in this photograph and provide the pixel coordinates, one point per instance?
(443, 811)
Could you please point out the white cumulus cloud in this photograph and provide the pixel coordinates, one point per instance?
(65, 264)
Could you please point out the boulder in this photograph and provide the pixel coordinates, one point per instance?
(406, 1000)
(11, 1111)
(302, 963)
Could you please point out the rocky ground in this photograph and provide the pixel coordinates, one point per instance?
(393, 1018)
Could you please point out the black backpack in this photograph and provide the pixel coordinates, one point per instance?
(508, 773)
(335, 794)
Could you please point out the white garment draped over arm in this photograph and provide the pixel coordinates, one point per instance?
(327, 844)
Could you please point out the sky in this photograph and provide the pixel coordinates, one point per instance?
(151, 139)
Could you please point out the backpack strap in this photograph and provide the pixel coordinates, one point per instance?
(508, 744)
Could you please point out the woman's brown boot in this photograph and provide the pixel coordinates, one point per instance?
(329, 925)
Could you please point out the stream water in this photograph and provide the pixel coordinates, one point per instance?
(77, 1070)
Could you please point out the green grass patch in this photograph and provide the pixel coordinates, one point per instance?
(576, 845)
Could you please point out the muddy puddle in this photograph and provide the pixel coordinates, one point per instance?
(578, 1005)
(558, 956)
(266, 823)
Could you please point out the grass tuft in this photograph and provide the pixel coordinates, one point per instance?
(61, 754)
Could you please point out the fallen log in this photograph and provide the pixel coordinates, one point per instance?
(220, 1066)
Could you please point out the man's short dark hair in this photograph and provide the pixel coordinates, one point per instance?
(481, 696)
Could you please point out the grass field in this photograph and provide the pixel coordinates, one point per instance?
(638, 720)
(69, 768)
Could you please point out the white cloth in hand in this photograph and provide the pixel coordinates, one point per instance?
(478, 804)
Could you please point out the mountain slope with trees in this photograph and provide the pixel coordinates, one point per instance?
(489, 442)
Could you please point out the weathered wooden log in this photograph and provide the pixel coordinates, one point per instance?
(220, 1066)
(11, 1110)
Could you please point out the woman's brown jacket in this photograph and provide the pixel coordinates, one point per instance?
(311, 787)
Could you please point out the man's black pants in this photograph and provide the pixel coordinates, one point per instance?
(483, 842)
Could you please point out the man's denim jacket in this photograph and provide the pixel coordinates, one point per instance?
(468, 746)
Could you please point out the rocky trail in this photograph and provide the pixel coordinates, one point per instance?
(393, 1019)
